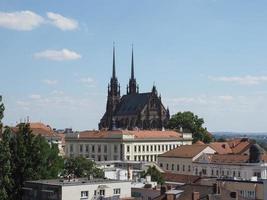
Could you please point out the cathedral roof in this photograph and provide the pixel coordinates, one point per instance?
(132, 103)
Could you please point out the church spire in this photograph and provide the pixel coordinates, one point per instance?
(113, 66)
(132, 81)
(132, 65)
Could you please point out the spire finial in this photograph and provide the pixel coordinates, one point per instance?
(113, 66)
(132, 65)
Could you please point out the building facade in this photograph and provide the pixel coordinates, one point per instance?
(133, 110)
(76, 189)
(124, 145)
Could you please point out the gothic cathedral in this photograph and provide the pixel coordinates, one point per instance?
(133, 110)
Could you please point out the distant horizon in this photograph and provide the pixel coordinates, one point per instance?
(208, 57)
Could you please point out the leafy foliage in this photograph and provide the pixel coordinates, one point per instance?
(190, 121)
(6, 181)
(82, 167)
(155, 175)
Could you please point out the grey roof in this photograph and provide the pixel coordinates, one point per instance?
(131, 104)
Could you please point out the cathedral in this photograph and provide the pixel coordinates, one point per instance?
(133, 110)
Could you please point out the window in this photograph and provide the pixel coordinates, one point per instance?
(102, 192)
(183, 168)
(99, 148)
(105, 148)
(162, 147)
(71, 147)
(127, 157)
(189, 168)
(151, 148)
(155, 147)
(158, 147)
(178, 167)
(172, 166)
(87, 148)
(166, 147)
(81, 148)
(135, 148)
(167, 166)
(139, 148)
(99, 158)
(93, 157)
(135, 158)
(84, 194)
(143, 148)
(105, 158)
(128, 148)
(115, 148)
(212, 172)
(117, 191)
(93, 148)
(147, 148)
(115, 157)
(160, 164)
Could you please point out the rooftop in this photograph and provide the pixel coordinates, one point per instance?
(129, 134)
(185, 151)
(72, 182)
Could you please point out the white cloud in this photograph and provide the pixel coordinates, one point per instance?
(50, 82)
(62, 22)
(58, 55)
(35, 96)
(21, 20)
(242, 80)
(88, 81)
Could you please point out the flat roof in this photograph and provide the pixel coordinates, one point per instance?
(77, 181)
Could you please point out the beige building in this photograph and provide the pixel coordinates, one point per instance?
(76, 189)
(180, 160)
(138, 145)
(242, 189)
(230, 166)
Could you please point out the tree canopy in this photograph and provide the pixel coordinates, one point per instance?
(82, 167)
(155, 175)
(190, 121)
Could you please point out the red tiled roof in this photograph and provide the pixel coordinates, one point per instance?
(180, 178)
(139, 134)
(185, 151)
(221, 147)
(228, 158)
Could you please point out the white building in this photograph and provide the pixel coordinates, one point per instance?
(180, 160)
(124, 144)
(76, 189)
(230, 166)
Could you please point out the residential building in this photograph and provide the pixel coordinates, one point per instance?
(180, 160)
(237, 166)
(76, 189)
(125, 145)
(240, 189)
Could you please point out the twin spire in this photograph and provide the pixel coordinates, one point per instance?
(132, 87)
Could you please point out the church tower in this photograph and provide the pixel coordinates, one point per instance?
(113, 94)
(132, 88)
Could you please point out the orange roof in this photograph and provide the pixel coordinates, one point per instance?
(199, 142)
(228, 158)
(39, 128)
(241, 147)
(138, 134)
(185, 151)
(221, 147)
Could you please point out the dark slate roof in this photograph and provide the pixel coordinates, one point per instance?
(130, 104)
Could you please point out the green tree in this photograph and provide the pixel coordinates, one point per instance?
(32, 158)
(6, 181)
(82, 167)
(155, 175)
(190, 121)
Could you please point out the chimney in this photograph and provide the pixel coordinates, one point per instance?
(195, 196)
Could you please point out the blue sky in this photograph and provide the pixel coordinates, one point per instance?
(206, 56)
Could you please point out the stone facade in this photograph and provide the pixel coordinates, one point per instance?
(134, 110)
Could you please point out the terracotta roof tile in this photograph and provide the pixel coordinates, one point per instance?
(228, 158)
(221, 147)
(185, 151)
(139, 134)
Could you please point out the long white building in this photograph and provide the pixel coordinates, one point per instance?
(123, 145)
